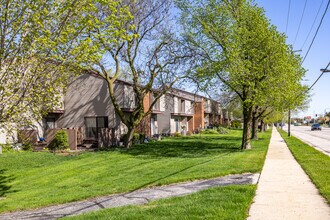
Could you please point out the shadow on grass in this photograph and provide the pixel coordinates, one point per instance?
(179, 171)
(5, 180)
(187, 147)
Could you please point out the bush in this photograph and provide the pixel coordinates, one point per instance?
(136, 138)
(7, 148)
(209, 131)
(142, 137)
(236, 124)
(177, 134)
(222, 130)
(123, 137)
(60, 141)
(27, 146)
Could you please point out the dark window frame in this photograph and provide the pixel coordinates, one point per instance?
(48, 120)
(97, 128)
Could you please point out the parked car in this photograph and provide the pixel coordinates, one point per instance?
(316, 127)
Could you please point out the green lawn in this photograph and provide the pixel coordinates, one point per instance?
(315, 163)
(230, 202)
(40, 179)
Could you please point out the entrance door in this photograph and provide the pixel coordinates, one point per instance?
(152, 126)
(177, 123)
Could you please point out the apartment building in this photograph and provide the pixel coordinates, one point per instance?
(179, 113)
(186, 112)
(87, 112)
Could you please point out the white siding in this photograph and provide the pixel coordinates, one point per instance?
(129, 97)
(3, 136)
(187, 107)
(172, 125)
(219, 109)
(162, 103)
(176, 104)
(7, 137)
(206, 120)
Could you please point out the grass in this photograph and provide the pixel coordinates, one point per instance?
(32, 180)
(230, 202)
(315, 163)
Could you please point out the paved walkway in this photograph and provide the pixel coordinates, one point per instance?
(132, 198)
(284, 190)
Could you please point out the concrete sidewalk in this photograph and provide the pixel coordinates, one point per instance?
(141, 196)
(284, 190)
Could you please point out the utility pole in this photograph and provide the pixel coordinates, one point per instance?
(289, 123)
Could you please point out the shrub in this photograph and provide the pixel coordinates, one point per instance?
(7, 148)
(142, 137)
(123, 137)
(60, 141)
(209, 131)
(222, 130)
(27, 146)
(136, 138)
(177, 134)
(236, 124)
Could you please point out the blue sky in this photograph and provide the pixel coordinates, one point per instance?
(319, 54)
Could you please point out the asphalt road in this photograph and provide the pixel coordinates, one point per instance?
(320, 140)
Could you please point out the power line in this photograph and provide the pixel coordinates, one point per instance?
(323, 71)
(326, 9)
(302, 15)
(310, 30)
(287, 18)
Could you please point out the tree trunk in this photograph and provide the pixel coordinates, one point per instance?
(254, 126)
(262, 126)
(129, 137)
(247, 118)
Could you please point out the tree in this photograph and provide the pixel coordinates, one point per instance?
(239, 46)
(41, 43)
(147, 48)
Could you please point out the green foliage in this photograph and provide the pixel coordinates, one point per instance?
(7, 148)
(92, 174)
(43, 44)
(236, 124)
(60, 141)
(177, 134)
(142, 137)
(136, 138)
(244, 53)
(27, 146)
(209, 131)
(222, 130)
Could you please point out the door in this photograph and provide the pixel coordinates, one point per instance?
(152, 126)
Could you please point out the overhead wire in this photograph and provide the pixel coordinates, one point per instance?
(323, 71)
(310, 30)
(287, 18)
(317, 30)
(301, 18)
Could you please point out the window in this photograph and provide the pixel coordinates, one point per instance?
(157, 103)
(49, 123)
(183, 106)
(93, 126)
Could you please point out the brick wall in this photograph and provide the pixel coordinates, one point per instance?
(199, 115)
(144, 126)
(191, 126)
